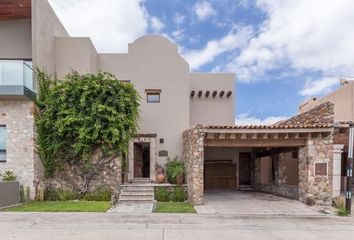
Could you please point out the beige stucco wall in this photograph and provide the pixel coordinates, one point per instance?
(153, 62)
(45, 27)
(15, 39)
(75, 53)
(212, 110)
(342, 99)
(18, 118)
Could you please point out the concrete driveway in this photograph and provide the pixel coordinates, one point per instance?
(253, 203)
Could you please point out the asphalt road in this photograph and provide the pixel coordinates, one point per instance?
(95, 226)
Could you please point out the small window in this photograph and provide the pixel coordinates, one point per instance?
(2, 144)
(153, 95)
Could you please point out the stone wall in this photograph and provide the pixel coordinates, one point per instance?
(278, 185)
(17, 117)
(316, 189)
(193, 155)
(111, 177)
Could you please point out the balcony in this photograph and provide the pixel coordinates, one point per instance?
(16, 80)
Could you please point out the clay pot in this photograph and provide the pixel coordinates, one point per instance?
(160, 178)
(179, 179)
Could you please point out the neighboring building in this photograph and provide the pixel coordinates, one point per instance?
(343, 99)
(172, 98)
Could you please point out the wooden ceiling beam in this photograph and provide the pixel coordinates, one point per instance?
(255, 143)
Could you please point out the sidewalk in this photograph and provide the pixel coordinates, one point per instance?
(93, 226)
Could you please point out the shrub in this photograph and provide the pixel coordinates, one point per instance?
(179, 195)
(162, 194)
(65, 195)
(174, 168)
(101, 194)
(8, 176)
(340, 204)
(22, 194)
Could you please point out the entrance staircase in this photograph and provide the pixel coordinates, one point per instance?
(139, 191)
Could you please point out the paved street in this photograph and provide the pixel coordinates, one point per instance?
(93, 226)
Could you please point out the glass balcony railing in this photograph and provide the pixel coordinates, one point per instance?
(16, 80)
(16, 73)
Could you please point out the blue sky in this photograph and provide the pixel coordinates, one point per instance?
(283, 52)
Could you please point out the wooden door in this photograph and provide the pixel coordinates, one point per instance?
(219, 175)
(245, 169)
(138, 160)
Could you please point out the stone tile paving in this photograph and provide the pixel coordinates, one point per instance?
(138, 208)
(236, 202)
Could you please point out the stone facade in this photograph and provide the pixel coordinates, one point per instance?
(279, 184)
(111, 177)
(17, 117)
(315, 184)
(193, 155)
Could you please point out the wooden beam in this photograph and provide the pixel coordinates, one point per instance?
(192, 93)
(214, 93)
(222, 93)
(207, 93)
(229, 93)
(275, 151)
(200, 93)
(255, 143)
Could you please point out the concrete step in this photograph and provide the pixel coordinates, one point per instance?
(246, 188)
(137, 193)
(141, 180)
(137, 188)
(134, 202)
(136, 198)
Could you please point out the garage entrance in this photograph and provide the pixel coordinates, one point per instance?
(220, 175)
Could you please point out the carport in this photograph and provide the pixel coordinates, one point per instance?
(262, 158)
(295, 161)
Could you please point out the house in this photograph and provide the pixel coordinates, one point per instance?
(343, 99)
(172, 98)
(182, 114)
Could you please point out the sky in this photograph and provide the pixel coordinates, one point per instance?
(282, 52)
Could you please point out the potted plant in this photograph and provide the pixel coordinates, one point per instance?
(175, 171)
(11, 187)
(160, 173)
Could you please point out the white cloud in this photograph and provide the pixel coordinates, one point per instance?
(178, 34)
(204, 10)
(301, 35)
(234, 39)
(111, 24)
(315, 87)
(247, 119)
(156, 24)
(179, 18)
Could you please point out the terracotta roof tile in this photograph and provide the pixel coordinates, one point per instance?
(321, 116)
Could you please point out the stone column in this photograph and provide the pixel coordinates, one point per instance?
(337, 168)
(315, 171)
(193, 155)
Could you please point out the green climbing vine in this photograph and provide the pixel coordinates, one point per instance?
(80, 115)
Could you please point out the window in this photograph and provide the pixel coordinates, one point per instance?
(2, 144)
(153, 95)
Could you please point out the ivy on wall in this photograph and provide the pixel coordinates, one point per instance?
(80, 115)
